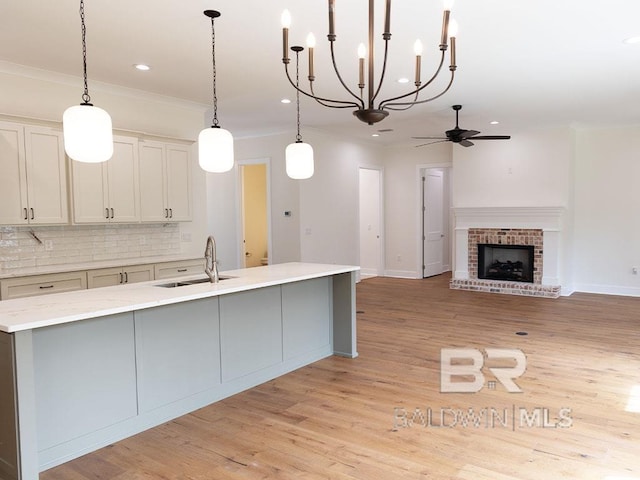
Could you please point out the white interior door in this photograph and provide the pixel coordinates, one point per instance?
(370, 222)
(433, 200)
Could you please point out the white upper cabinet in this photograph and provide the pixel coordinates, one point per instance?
(165, 182)
(33, 180)
(108, 191)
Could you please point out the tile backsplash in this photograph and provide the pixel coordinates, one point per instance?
(40, 246)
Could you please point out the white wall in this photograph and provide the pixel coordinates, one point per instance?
(329, 222)
(222, 202)
(403, 214)
(607, 211)
(530, 170)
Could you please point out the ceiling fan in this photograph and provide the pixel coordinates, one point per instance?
(460, 135)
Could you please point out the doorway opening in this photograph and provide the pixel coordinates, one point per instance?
(370, 213)
(436, 221)
(255, 213)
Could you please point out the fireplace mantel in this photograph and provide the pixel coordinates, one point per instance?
(548, 219)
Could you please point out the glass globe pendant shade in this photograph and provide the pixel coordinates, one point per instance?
(215, 150)
(88, 133)
(299, 160)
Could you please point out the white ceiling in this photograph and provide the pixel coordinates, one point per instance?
(526, 63)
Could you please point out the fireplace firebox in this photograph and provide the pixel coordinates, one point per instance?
(506, 262)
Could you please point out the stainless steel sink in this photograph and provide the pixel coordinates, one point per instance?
(184, 283)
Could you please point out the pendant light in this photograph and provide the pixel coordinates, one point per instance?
(215, 144)
(87, 130)
(299, 155)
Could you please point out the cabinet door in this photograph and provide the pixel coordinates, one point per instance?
(89, 193)
(13, 190)
(178, 173)
(104, 277)
(42, 284)
(179, 268)
(46, 176)
(138, 273)
(124, 197)
(152, 183)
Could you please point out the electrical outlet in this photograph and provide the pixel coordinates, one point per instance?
(143, 240)
(186, 237)
(48, 245)
(634, 270)
(307, 231)
(399, 258)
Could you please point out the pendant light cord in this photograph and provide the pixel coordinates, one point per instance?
(86, 98)
(215, 96)
(298, 136)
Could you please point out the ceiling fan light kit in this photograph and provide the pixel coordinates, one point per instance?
(460, 135)
(371, 110)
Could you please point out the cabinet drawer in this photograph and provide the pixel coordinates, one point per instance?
(178, 269)
(42, 284)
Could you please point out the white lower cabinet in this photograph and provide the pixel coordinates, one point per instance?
(107, 277)
(179, 268)
(31, 286)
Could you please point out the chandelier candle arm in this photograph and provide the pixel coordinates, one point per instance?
(332, 26)
(362, 53)
(366, 109)
(417, 48)
(286, 23)
(387, 18)
(311, 44)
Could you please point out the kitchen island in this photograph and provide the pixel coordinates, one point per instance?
(80, 370)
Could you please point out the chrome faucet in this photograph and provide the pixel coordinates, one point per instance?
(211, 261)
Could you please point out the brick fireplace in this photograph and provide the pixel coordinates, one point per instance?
(536, 228)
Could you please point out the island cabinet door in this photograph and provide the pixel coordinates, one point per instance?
(85, 381)
(306, 317)
(250, 332)
(178, 349)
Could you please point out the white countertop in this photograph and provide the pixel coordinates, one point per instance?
(54, 309)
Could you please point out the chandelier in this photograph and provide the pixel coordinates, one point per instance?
(372, 110)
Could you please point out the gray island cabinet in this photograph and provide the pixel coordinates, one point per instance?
(80, 370)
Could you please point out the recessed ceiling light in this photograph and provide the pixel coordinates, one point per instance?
(403, 80)
(285, 101)
(495, 122)
(142, 67)
(375, 134)
(632, 40)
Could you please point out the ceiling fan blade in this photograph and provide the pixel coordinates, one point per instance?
(431, 143)
(493, 137)
(466, 143)
(467, 133)
(430, 138)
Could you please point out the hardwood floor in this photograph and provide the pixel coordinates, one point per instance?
(343, 418)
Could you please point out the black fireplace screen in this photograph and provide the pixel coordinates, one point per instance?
(506, 262)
